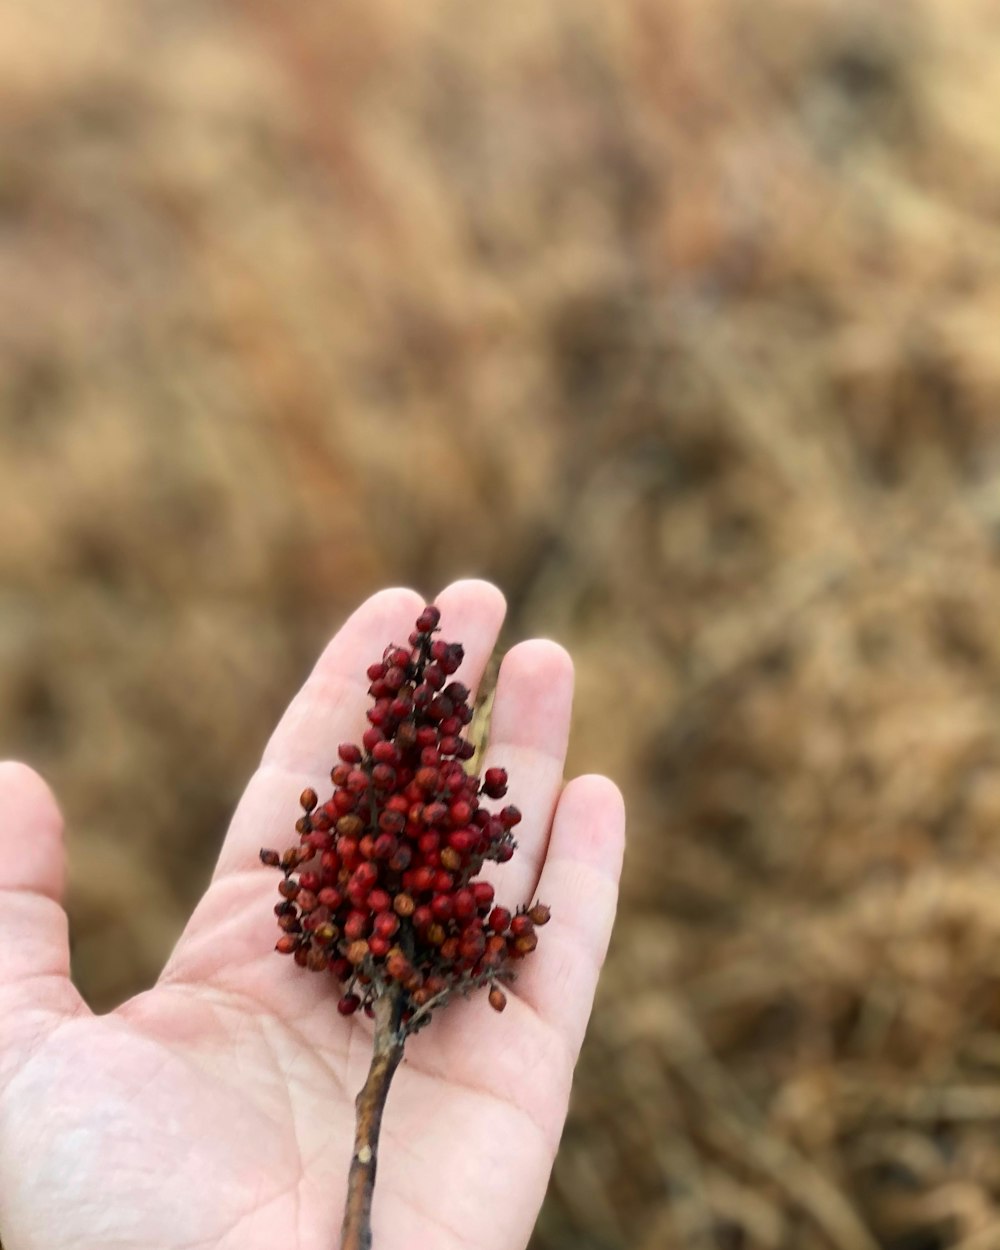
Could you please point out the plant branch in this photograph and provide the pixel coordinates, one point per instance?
(370, 1103)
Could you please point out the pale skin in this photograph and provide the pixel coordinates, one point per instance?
(216, 1110)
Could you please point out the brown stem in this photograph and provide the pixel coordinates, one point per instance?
(370, 1103)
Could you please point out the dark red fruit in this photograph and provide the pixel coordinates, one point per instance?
(499, 920)
(495, 783)
(389, 891)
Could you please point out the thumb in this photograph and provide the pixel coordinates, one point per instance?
(34, 938)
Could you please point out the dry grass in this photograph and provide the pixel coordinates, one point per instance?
(678, 320)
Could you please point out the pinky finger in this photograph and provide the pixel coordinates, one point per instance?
(34, 946)
(579, 883)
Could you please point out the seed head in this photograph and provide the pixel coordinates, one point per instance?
(383, 885)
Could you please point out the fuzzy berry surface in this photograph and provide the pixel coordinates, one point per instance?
(381, 887)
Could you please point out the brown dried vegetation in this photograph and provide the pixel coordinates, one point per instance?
(689, 310)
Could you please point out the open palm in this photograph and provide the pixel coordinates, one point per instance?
(216, 1110)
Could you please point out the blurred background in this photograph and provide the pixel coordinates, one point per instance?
(678, 319)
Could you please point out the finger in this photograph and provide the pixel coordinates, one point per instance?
(529, 733)
(579, 882)
(335, 694)
(328, 710)
(235, 916)
(472, 613)
(34, 941)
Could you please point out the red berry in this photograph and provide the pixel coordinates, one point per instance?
(428, 619)
(495, 783)
(371, 737)
(349, 1004)
(462, 840)
(452, 662)
(386, 924)
(384, 846)
(484, 894)
(365, 875)
(463, 905)
(347, 849)
(379, 946)
(355, 926)
(521, 924)
(442, 906)
(401, 859)
(349, 753)
(499, 920)
(384, 776)
(286, 944)
(472, 944)
(345, 803)
(427, 779)
(423, 880)
(379, 900)
(460, 813)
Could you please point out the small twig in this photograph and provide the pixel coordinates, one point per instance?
(370, 1103)
(423, 1012)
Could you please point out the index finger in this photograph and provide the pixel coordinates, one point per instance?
(329, 709)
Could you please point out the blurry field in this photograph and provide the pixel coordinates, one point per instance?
(678, 319)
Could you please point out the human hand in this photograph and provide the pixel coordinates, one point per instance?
(216, 1110)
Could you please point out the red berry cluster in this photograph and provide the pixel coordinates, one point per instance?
(381, 888)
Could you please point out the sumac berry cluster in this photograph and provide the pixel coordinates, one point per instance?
(382, 886)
